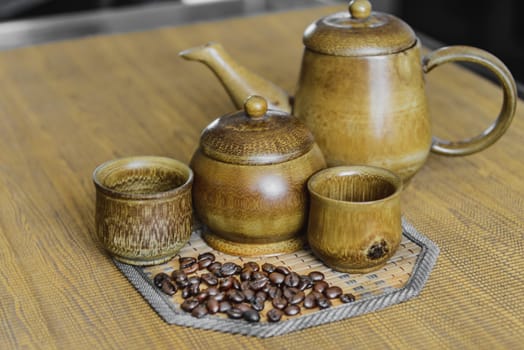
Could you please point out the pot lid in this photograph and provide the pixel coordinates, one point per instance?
(256, 136)
(359, 32)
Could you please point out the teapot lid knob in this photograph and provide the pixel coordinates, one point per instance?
(255, 106)
(360, 9)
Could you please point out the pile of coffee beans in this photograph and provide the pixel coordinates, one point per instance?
(242, 292)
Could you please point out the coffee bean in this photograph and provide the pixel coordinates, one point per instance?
(245, 275)
(194, 280)
(159, 278)
(199, 311)
(249, 295)
(212, 291)
(258, 304)
(189, 304)
(209, 279)
(305, 282)
(244, 285)
(282, 269)
(235, 296)
(323, 302)
(243, 307)
(320, 286)
(220, 296)
(186, 261)
(310, 301)
(169, 287)
(213, 305)
(186, 293)
(333, 292)
(261, 295)
(183, 283)
(276, 277)
(206, 256)
(294, 296)
(347, 298)
(252, 265)
(292, 310)
(204, 263)
(274, 292)
(226, 283)
(258, 283)
(251, 315)
(292, 280)
(274, 315)
(214, 268)
(316, 294)
(190, 269)
(316, 276)
(178, 276)
(234, 313)
(236, 283)
(194, 289)
(228, 269)
(288, 292)
(279, 302)
(224, 306)
(268, 268)
(202, 296)
(258, 275)
(265, 289)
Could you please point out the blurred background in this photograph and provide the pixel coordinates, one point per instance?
(493, 25)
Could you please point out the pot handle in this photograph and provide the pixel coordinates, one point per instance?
(501, 124)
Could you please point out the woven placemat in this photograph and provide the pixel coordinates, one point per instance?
(402, 278)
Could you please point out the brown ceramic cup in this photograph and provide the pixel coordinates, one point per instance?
(143, 208)
(354, 217)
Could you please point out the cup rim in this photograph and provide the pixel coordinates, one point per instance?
(136, 161)
(357, 169)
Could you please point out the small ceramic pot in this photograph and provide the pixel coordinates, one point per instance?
(355, 218)
(251, 170)
(143, 208)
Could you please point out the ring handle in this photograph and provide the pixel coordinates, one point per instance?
(501, 124)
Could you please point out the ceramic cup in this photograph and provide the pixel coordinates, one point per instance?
(143, 208)
(354, 217)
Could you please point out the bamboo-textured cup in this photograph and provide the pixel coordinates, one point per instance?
(143, 208)
(354, 218)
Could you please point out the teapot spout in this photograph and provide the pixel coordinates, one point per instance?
(238, 81)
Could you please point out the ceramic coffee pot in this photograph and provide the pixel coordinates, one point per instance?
(361, 90)
(250, 175)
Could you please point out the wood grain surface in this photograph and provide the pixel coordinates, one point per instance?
(67, 107)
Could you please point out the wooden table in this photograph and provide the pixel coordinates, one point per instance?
(66, 107)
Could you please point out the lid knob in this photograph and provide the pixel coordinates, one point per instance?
(360, 9)
(255, 106)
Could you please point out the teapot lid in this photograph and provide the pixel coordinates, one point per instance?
(359, 32)
(256, 136)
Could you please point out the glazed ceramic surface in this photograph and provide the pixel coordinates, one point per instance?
(143, 208)
(251, 170)
(355, 218)
(381, 121)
